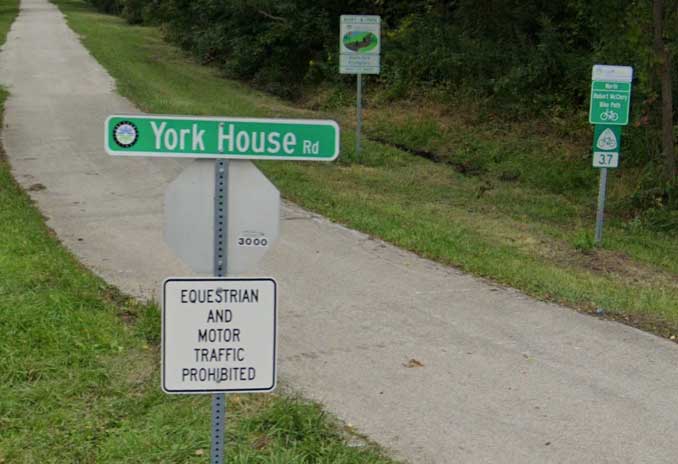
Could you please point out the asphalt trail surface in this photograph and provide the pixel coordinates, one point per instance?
(435, 365)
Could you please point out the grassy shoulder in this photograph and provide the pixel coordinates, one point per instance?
(79, 368)
(506, 204)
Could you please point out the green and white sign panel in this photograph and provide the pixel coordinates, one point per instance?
(213, 137)
(606, 146)
(610, 95)
(359, 44)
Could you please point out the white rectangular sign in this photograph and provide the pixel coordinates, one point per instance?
(359, 44)
(609, 73)
(605, 159)
(219, 335)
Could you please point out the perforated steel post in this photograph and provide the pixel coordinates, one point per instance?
(600, 215)
(218, 451)
(359, 108)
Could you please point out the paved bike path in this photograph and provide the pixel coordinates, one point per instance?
(498, 377)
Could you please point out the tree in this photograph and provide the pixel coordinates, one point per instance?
(664, 74)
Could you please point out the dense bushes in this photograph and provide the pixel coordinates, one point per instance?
(272, 47)
(524, 54)
(107, 6)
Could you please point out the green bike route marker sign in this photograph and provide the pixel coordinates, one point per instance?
(606, 146)
(610, 94)
(214, 137)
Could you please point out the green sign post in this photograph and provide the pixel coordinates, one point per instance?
(609, 110)
(232, 138)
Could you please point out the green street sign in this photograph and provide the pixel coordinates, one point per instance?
(212, 137)
(610, 95)
(610, 103)
(606, 146)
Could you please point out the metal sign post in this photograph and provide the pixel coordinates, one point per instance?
(600, 214)
(218, 446)
(359, 107)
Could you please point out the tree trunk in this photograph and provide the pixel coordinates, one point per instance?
(664, 74)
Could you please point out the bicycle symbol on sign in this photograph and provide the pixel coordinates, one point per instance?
(609, 115)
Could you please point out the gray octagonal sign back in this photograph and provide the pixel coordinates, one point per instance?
(253, 216)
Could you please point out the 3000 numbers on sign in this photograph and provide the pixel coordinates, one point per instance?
(253, 241)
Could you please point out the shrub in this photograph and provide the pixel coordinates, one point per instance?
(107, 6)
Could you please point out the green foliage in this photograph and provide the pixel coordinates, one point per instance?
(134, 10)
(655, 206)
(525, 56)
(584, 241)
(515, 55)
(108, 6)
(660, 219)
(275, 45)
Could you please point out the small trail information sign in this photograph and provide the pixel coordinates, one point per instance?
(610, 95)
(359, 44)
(219, 335)
(233, 138)
(606, 146)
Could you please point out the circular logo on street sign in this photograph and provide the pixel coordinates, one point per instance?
(125, 134)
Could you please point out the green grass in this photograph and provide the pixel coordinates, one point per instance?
(8, 11)
(513, 202)
(79, 368)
